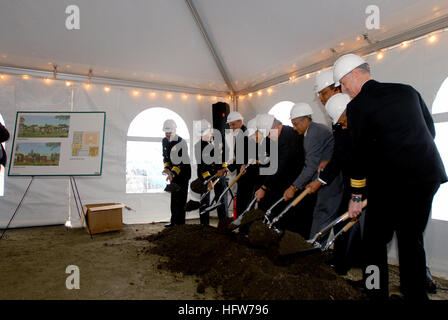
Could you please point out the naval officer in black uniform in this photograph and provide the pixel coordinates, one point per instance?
(177, 168)
(211, 161)
(396, 165)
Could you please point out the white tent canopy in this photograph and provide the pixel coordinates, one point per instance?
(159, 42)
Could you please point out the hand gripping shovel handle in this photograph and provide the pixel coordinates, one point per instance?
(333, 223)
(292, 204)
(209, 190)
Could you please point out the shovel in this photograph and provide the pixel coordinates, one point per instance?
(200, 186)
(292, 204)
(316, 246)
(322, 232)
(237, 222)
(256, 214)
(217, 203)
(194, 205)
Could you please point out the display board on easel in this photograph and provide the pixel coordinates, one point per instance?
(58, 144)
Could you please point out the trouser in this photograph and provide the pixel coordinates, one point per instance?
(204, 217)
(178, 201)
(244, 193)
(407, 215)
(348, 247)
(327, 206)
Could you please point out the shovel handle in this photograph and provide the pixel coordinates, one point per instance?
(214, 183)
(300, 197)
(236, 179)
(350, 224)
(342, 231)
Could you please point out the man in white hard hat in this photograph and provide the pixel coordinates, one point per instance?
(206, 151)
(177, 168)
(324, 86)
(289, 146)
(346, 248)
(318, 146)
(394, 154)
(239, 159)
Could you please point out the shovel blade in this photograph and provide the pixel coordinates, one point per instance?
(192, 205)
(172, 187)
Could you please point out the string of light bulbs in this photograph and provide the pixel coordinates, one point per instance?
(431, 38)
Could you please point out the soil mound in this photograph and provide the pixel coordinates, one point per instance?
(243, 271)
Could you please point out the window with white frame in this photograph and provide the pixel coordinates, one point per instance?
(144, 161)
(281, 111)
(440, 115)
(2, 170)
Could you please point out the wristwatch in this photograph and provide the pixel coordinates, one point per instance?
(356, 199)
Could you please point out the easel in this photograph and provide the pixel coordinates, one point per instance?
(75, 195)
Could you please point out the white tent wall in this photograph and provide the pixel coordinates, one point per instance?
(50, 199)
(422, 65)
(46, 201)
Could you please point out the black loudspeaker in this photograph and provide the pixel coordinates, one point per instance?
(220, 112)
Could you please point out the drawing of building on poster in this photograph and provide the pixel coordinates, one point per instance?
(37, 154)
(85, 144)
(43, 126)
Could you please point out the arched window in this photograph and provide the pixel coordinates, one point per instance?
(440, 108)
(144, 162)
(2, 170)
(281, 111)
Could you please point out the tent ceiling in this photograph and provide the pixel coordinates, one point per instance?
(158, 41)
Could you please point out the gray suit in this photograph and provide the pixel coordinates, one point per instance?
(318, 145)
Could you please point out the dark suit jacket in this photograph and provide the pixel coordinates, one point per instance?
(4, 136)
(392, 135)
(181, 169)
(204, 169)
(290, 159)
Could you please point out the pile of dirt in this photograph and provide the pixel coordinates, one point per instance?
(242, 271)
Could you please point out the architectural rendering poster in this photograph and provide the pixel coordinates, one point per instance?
(57, 143)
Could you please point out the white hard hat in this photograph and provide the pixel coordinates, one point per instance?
(204, 127)
(264, 123)
(336, 106)
(169, 126)
(234, 116)
(251, 126)
(345, 65)
(323, 79)
(300, 109)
